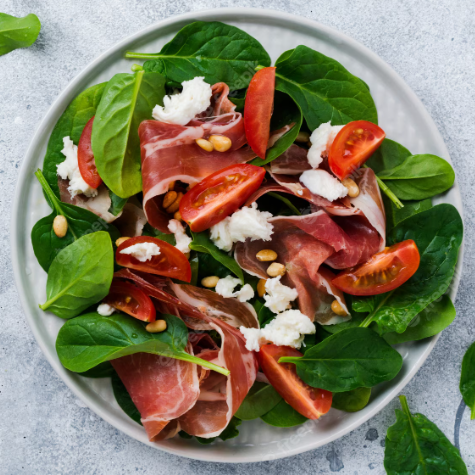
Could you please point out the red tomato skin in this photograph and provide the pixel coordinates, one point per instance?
(404, 258)
(140, 305)
(344, 159)
(170, 262)
(258, 110)
(310, 402)
(232, 186)
(86, 162)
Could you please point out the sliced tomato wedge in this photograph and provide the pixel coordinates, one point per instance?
(258, 110)
(86, 162)
(308, 401)
(170, 262)
(220, 195)
(128, 298)
(385, 271)
(353, 145)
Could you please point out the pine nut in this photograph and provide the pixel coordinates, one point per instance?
(121, 240)
(302, 137)
(157, 326)
(266, 255)
(173, 208)
(169, 199)
(338, 309)
(210, 281)
(351, 186)
(276, 269)
(205, 145)
(221, 143)
(261, 287)
(60, 226)
(177, 216)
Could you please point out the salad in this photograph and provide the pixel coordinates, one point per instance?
(231, 240)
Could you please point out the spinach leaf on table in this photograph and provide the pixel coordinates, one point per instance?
(260, 399)
(352, 401)
(219, 52)
(323, 89)
(350, 359)
(124, 400)
(46, 245)
(17, 32)
(127, 100)
(283, 415)
(88, 340)
(71, 124)
(415, 445)
(467, 379)
(80, 275)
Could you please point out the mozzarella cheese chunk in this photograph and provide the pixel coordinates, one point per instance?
(246, 223)
(183, 241)
(253, 337)
(225, 287)
(322, 138)
(142, 251)
(278, 296)
(69, 170)
(105, 310)
(181, 108)
(320, 182)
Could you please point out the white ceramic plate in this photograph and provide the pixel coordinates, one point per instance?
(401, 115)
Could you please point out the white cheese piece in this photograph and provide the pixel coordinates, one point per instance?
(69, 170)
(105, 310)
(322, 138)
(278, 296)
(142, 251)
(253, 337)
(225, 287)
(183, 241)
(320, 182)
(181, 108)
(246, 223)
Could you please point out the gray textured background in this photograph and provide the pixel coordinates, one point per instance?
(44, 428)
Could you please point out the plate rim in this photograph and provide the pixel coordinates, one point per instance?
(58, 106)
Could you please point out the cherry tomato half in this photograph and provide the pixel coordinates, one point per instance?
(170, 262)
(308, 401)
(86, 162)
(353, 145)
(128, 298)
(384, 272)
(258, 110)
(219, 195)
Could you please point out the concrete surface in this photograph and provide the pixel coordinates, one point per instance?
(44, 429)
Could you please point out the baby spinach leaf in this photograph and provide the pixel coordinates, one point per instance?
(46, 245)
(415, 445)
(88, 340)
(437, 316)
(283, 415)
(419, 177)
(438, 234)
(260, 399)
(389, 155)
(265, 316)
(323, 88)
(348, 360)
(71, 124)
(395, 216)
(124, 400)
(238, 98)
(352, 401)
(117, 203)
(128, 99)
(18, 32)
(202, 243)
(148, 230)
(467, 379)
(80, 275)
(219, 52)
(103, 370)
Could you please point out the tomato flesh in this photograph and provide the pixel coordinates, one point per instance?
(219, 195)
(353, 145)
(258, 110)
(128, 298)
(385, 271)
(308, 401)
(86, 162)
(170, 262)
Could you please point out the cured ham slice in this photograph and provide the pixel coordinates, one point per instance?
(162, 388)
(292, 162)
